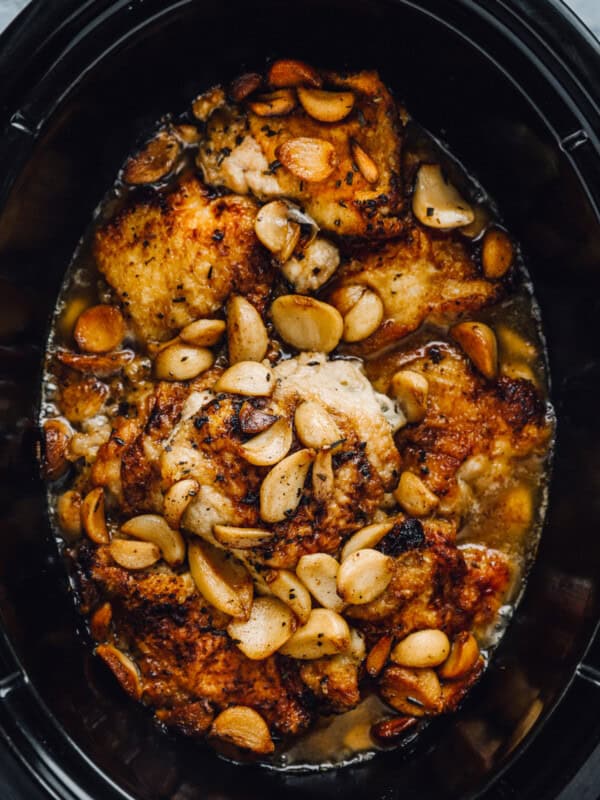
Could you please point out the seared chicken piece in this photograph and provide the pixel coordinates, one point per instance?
(189, 668)
(501, 421)
(334, 681)
(422, 277)
(242, 152)
(435, 584)
(174, 258)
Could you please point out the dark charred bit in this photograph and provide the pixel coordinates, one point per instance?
(435, 354)
(253, 420)
(522, 401)
(404, 536)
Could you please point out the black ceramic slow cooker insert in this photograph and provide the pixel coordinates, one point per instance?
(514, 90)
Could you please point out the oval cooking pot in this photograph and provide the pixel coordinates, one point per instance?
(513, 88)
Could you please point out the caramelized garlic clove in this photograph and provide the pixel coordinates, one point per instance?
(325, 634)
(243, 727)
(221, 579)
(270, 446)
(308, 158)
(479, 343)
(437, 203)
(326, 106)
(318, 572)
(364, 575)
(153, 528)
(268, 627)
(247, 338)
(248, 378)
(306, 323)
(414, 496)
(315, 427)
(281, 490)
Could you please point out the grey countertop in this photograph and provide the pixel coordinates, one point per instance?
(588, 10)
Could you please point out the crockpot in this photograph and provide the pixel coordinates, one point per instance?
(513, 88)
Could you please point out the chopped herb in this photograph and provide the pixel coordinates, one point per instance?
(349, 178)
(429, 211)
(218, 235)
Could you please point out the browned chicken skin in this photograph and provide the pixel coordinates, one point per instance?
(189, 667)
(241, 152)
(176, 257)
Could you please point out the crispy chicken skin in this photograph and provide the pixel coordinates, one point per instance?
(174, 258)
(189, 667)
(435, 583)
(240, 152)
(421, 277)
(466, 416)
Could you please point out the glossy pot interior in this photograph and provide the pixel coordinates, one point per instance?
(72, 120)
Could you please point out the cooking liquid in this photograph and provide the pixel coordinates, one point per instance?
(345, 738)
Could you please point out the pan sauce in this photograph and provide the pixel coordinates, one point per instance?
(506, 515)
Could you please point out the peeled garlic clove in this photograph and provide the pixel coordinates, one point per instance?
(411, 390)
(325, 634)
(306, 323)
(366, 537)
(364, 317)
(247, 338)
(93, 518)
(326, 106)
(99, 329)
(315, 427)
(281, 490)
(323, 479)
(57, 435)
(346, 297)
(203, 332)
(248, 378)
(269, 447)
(426, 648)
(364, 575)
(134, 555)
(436, 203)
(463, 657)
(318, 572)
(177, 499)
(414, 496)
(269, 626)
(68, 511)
(244, 86)
(221, 579)
(152, 528)
(271, 225)
(479, 343)
(155, 161)
(237, 538)
(366, 166)
(291, 591)
(275, 104)
(243, 727)
(319, 261)
(182, 362)
(497, 254)
(123, 668)
(308, 158)
(290, 72)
